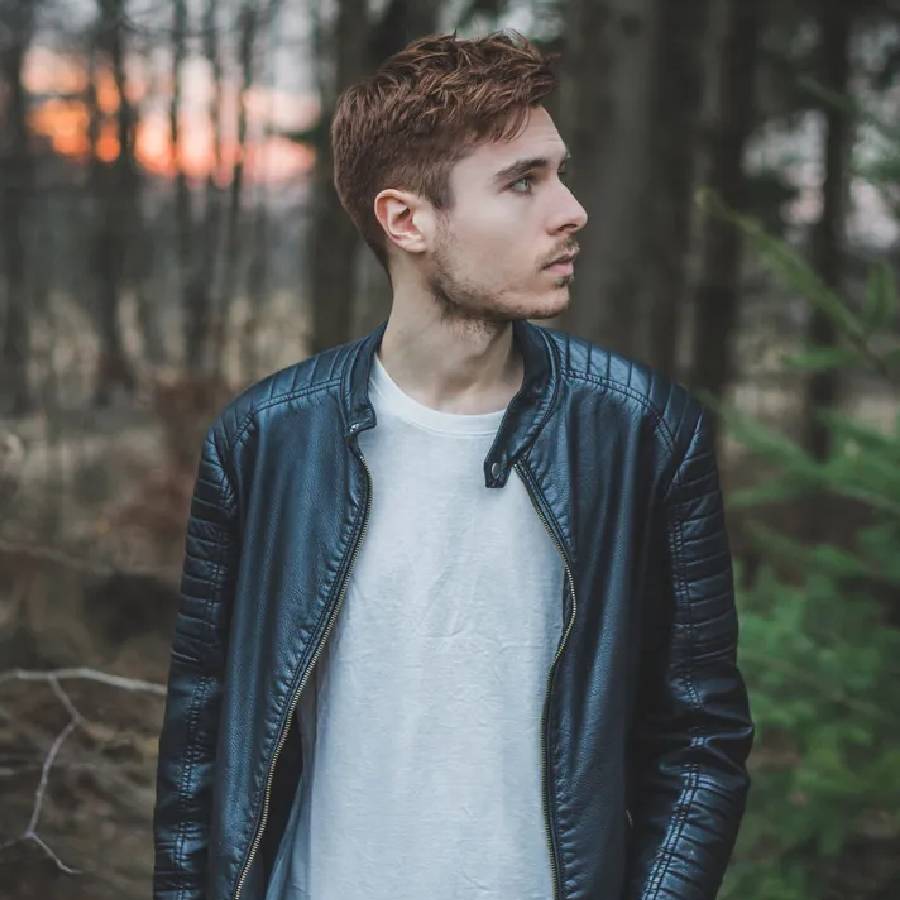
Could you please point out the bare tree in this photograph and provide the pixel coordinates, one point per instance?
(356, 44)
(248, 20)
(400, 23)
(606, 75)
(829, 244)
(206, 280)
(677, 101)
(194, 333)
(258, 265)
(333, 238)
(116, 189)
(145, 255)
(16, 166)
(836, 20)
(717, 291)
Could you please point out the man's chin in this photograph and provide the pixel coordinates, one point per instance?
(552, 304)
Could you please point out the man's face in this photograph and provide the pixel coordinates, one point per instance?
(510, 218)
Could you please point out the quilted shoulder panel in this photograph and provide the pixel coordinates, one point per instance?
(291, 381)
(674, 409)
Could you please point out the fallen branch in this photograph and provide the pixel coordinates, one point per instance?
(75, 719)
(53, 675)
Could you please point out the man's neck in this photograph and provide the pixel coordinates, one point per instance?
(466, 371)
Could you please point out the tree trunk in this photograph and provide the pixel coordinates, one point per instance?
(678, 97)
(333, 237)
(248, 23)
(116, 189)
(402, 22)
(258, 250)
(195, 330)
(604, 118)
(836, 21)
(15, 196)
(208, 268)
(829, 242)
(146, 258)
(717, 292)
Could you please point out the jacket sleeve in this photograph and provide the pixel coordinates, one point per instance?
(692, 730)
(196, 666)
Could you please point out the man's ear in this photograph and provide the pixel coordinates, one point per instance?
(405, 218)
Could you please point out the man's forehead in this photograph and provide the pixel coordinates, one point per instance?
(501, 157)
(538, 139)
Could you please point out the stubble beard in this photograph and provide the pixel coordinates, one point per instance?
(469, 309)
(463, 307)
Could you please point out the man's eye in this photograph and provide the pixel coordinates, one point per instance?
(528, 179)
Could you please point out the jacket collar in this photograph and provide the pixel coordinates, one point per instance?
(524, 417)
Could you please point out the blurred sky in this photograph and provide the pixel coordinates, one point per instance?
(284, 98)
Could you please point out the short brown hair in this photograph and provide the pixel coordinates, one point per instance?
(424, 109)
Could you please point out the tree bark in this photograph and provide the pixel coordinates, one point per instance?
(195, 321)
(604, 117)
(401, 22)
(248, 24)
(116, 189)
(829, 242)
(679, 82)
(258, 249)
(829, 239)
(718, 288)
(212, 221)
(15, 196)
(333, 237)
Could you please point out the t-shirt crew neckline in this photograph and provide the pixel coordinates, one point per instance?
(396, 401)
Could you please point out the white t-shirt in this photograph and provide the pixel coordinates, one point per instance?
(420, 723)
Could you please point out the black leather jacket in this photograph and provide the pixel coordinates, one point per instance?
(646, 721)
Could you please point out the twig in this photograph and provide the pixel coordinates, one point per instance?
(75, 719)
(53, 676)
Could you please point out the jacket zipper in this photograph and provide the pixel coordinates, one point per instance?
(544, 799)
(262, 822)
(296, 697)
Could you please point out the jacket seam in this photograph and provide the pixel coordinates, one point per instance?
(190, 751)
(667, 852)
(686, 593)
(258, 800)
(215, 592)
(661, 425)
(224, 488)
(554, 812)
(260, 788)
(676, 480)
(549, 406)
(273, 401)
(233, 443)
(690, 770)
(196, 702)
(553, 808)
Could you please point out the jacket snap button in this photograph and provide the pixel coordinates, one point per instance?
(495, 469)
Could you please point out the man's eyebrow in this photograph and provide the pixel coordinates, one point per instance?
(523, 166)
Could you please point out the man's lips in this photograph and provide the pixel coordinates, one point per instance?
(566, 259)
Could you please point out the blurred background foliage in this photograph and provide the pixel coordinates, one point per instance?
(170, 234)
(820, 646)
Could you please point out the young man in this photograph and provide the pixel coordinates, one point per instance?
(457, 613)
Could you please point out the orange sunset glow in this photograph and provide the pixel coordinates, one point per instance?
(60, 115)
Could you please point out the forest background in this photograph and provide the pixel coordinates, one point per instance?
(169, 234)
